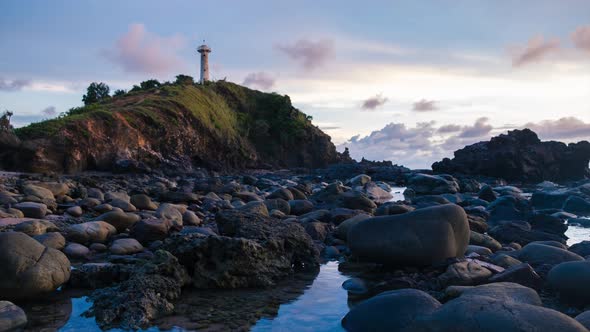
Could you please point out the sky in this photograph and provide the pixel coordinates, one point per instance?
(406, 81)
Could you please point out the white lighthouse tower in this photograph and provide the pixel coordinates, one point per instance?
(204, 50)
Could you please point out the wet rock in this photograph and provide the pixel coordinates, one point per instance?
(317, 230)
(390, 311)
(36, 227)
(376, 193)
(572, 281)
(577, 205)
(521, 232)
(75, 211)
(424, 237)
(143, 202)
(360, 180)
(149, 230)
(342, 230)
(52, 240)
(548, 200)
(103, 208)
(522, 274)
(92, 231)
(125, 247)
(39, 192)
(482, 313)
(123, 205)
(433, 184)
(538, 254)
(12, 318)
(503, 291)
(76, 251)
(464, 274)
(121, 220)
(32, 209)
(145, 296)
(29, 269)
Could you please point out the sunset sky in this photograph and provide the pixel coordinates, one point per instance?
(407, 81)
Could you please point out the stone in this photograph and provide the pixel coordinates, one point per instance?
(420, 238)
(75, 211)
(36, 227)
(143, 202)
(572, 281)
(360, 180)
(189, 218)
(537, 254)
(120, 195)
(342, 230)
(56, 188)
(171, 213)
(577, 205)
(254, 207)
(92, 231)
(487, 194)
(29, 269)
(432, 184)
(123, 205)
(98, 247)
(300, 206)
(32, 209)
(584, 319)
(76, 251)
(281, 193)
(317, 230)
(278, 204)
(389, 209)
(52, 240)
(39, 192)
(126, 247)
(103, 208)
(581, 248)
(390, 311)
(484, 240)
(487, 314)
(121, 220)
(149, 230)
(12, 317)
(503, 291)
(376, 193)
(464, 274)
(357, 201)
(482, 251)
(522, 274)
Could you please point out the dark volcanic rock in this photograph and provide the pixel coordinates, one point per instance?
(520, 155)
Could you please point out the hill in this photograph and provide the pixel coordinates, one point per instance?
(220, 126)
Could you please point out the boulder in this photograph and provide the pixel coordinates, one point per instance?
(572, 281)
(537, 254)
(390, 311)
(577, 205)
(12, 317)
(29, 269)
(484, 240)
(423, 237)
(487, 194)
(32, 209)
(488, 314)
(125, 247)
(75, 211)
(282, 193)
(503, 291)
(522, 274)
(389, 209)
(121, 220)
(52, 240)
(89, 232)
(425, 184)
(39, 192)
(171, 213)
(189, 218)
(36, 227)
(584, 319)
(278, 204)
(464, 274)
(149, 230)
(317, 230)
(299, 206)
(360, 180)
(76, 251)
(581, 248)
(143, 202)
(342, 230)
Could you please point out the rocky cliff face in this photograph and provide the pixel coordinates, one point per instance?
(520, 155)
(220, 126)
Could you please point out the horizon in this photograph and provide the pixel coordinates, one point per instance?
(405, 82)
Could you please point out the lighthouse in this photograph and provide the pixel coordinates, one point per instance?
(204, 50)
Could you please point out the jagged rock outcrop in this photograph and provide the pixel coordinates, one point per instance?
(220, 126)
(520, 155)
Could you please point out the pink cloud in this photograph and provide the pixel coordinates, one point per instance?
(535, 50)
(259, 80)
(581, 38)
(139, 51)
(310, 54)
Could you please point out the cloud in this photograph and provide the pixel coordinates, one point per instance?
(581, 38)
(565, 128)
(309, 54)
(260, 80)
(49, 111)
(374, 102)
(536, 50)
(479, 128)
(425, 106)
(446, 129)
(138, 51)
(329, 127)
(14, 85)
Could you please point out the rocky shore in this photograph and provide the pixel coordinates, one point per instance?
(457, 254)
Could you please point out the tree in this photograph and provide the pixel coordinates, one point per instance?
(96, 92)
(149, 84)
(5, 120)
(119, 92)
(184, 80)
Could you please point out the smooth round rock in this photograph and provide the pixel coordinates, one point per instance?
(423, 237)
(125, 247)
(76, 250)
(52, 240)
(92, 231)
(572, 281)
(12, 317)
(537, 254)
(143, 202)
(32, 209)
(121, 220)
(75, 211)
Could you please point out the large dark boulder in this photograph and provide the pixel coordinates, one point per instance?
(422, 237)
(520, 155)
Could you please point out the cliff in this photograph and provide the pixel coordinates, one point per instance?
(521, 156)
(219, 126)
